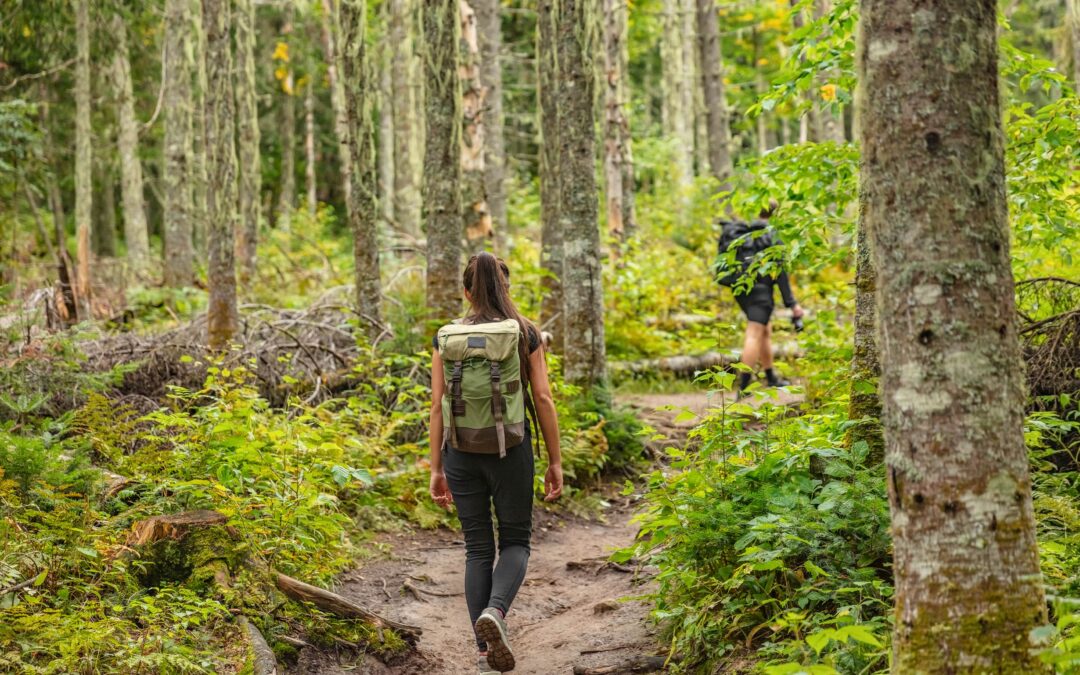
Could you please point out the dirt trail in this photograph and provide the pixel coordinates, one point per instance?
(559, 612)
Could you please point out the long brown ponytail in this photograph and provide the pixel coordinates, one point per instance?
(487, 279)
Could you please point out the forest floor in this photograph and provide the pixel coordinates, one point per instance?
(573, 609)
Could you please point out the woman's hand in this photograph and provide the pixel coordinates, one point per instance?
(553, 482)
(797, 311)
(440, 490)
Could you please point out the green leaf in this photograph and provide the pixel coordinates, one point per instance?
(820, 639)
(40, 579)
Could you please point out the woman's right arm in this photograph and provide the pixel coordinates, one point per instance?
(438, 487)
(549, 422)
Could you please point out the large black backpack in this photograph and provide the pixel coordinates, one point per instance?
(746, 240)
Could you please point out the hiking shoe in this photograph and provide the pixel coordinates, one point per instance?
(483, 666)
(779, 382)
(492, 629)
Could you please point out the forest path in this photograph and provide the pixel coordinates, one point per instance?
(561, 612)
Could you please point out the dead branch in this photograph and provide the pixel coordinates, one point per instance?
(332, 603)
(636, 664)
(263, 661)
(414, 589)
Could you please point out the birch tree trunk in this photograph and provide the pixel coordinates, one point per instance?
(331, 32)
(712, 83)
(360, 91)
(585, 362)
(489, 32)
(287, 195)
(247, 130)
(136, 235)
(179, 255)
(475, 214)
(616, 127)
(309, 147)
(442, 157)
(221, 312)
(677, 106)
(403, 101)
(386, 157)
(968, 587)
(199, 178)
(84, 204)
(551, 235)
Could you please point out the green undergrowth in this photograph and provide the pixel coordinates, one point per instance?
(761, 556)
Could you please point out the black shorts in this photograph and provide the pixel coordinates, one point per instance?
(757, 305)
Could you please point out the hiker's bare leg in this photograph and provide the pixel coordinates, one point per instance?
(766, 355)
(752, 343)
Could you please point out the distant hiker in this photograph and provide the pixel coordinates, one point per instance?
(488, 377)
(746, 241)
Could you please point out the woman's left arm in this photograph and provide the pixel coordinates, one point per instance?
(440, 491)
(549, 422)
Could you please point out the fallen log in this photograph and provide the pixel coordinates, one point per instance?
(332, 603)
(262, 659)
(175, 526)
(635, 664)
(689, 364)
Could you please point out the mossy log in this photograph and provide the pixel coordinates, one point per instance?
(689, 364)
(332, 603)
(634, 664)
(261, 656)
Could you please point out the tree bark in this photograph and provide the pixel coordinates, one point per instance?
(104, 227)
(616, 126)
(247, 130)
(221, 314)
(1074, 38)
(864, 404)
(442, 157)
(331, 32)
(66, 268)
(179, 255)
(199, 178)
(84, 203)
(387, 161)
(968, 587)
(363, 217)
(136, 235)
(712, 83)
(475, 214)
(677, 108)
(551, 236)
(489, 31)
(403, 100)
(309, 147)
(583, 296)
(287, 195)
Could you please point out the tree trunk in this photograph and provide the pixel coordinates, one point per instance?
(628, 183)
(136, 235)
(551, 236)
(247, 131)
(403, 100)
(309, 147)
(66, 270)
(1074, 38)
(199, 179)
(677, 108)
(84, 204)
(616, 127)
(104, 226)
(386, 137)
(363, 218)
(583, 296)
(442, 158)
(331, 32)
(179, 256)
(221, 313)
(831, 115)
(761, 122)
(475, 214)
(968, 587)
(863, 401)
(287, 196)
(712, 83)
(489, 31)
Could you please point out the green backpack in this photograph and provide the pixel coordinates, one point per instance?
(484, 405)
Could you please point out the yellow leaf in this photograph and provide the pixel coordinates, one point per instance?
(763, 62)
(26, 32)
(281, 52)
(828, 92)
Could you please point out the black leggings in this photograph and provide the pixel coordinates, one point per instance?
(476, 481)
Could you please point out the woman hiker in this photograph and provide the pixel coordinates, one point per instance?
(484, 368)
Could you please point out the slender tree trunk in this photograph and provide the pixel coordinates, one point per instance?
(475, 214)
(968, 587)
(310, 159)
(287, 196)
(136, 235)
(489, 30)
(104, 227)
(221, 314)
(762, 120)
(551, 235)
(331, 33)
(678, 98)
(84, 204)
(863, 401)
(403, 101)
(1074, 38)
(616, 126)
(712, 83)
(199, 178)
(387, 161)
(179, 254)
(832, 116)
(247, 131)
(66, 268)
(583, 295)
(360, 92)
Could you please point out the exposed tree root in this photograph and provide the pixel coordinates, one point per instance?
(262, 658)
(635, 664)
